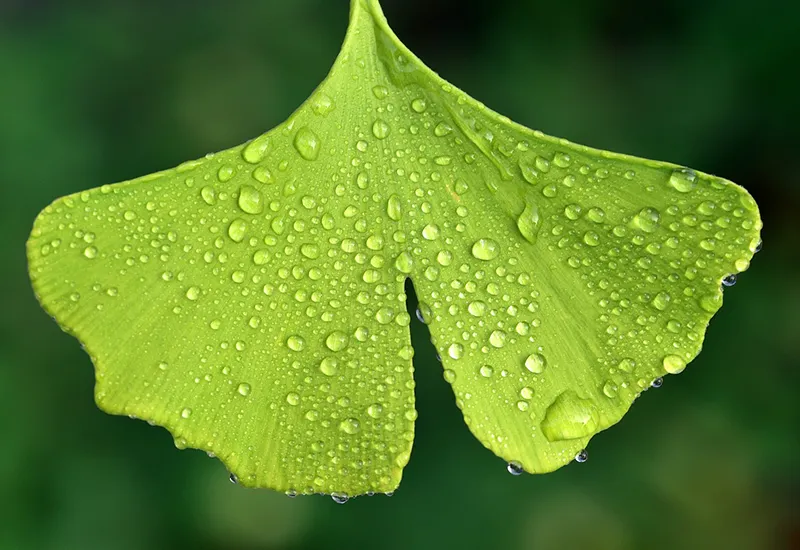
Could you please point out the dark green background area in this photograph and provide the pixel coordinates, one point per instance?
(97, 92)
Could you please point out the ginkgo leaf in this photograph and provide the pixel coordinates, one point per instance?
(252, 302)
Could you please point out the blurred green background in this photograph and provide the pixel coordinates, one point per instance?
(93, 92)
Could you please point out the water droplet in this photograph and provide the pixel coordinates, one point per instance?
(380, 92)
(209, 195)
(431, 232)
(449, 375)
(262, 174)
(536, 363)
(350, 426)
(255, 150)
(627, 365)
(293, 399)
(226, 173)
(729, 280)
(582, 456)
(250, 200)
(485, 249)
(244, 389)
(322, 104)
(336, 340)
(375, 410)
(329, 366)
(380, 129)
(529, 222)
(661, 301)
(597, 215)
(193, 293)
(90, 252)
(674, 364)
(233, 479)
(310, 251)
(514, 468)
(295, 343)
(186, 413)
(442, 129)
(610, 389)
(419, 105)
(497, 338)
(404, 262)
(455, 351)
(683, 180)
(307, 143)
(591, 238)
(394, 208)
(657, 383)
(339, 498)
(476, 308)
(237, 229)
(647, 219)
(486, 371)
(570, 417)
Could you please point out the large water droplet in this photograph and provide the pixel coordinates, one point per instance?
(394, 208)
(350, 426)
(380, 129)
(255, 150)
(485, 249)
(404, 262)
(647, 219)
(244, 389)
(514, 468)
(250, 200)
(237, 229)
(683, 180)
(529, 222)
(329, 366)
(570, 417)
(336, 340)
(307, 143)
(295, 343)
(536, 363)
(674, 364)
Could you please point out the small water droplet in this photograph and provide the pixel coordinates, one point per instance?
(90, 252)
(431, 232)
(322, 104)
(442, 129)
(193, 293)
(486, 371)
(233, 479)
(186, 413)
(380, 92)
(339, 498)
(209, 195)
(657, 383)
(497, 338)
(449, 375)
(514, 468)
(244, 389)
(582, 456)
(729, 280)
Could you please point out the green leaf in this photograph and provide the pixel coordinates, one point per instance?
(252, 302)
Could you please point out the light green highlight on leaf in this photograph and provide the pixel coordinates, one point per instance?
(252, 302)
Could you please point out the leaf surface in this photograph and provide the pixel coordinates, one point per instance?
(252, 302)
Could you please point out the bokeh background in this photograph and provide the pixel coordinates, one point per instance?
(93, 92)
